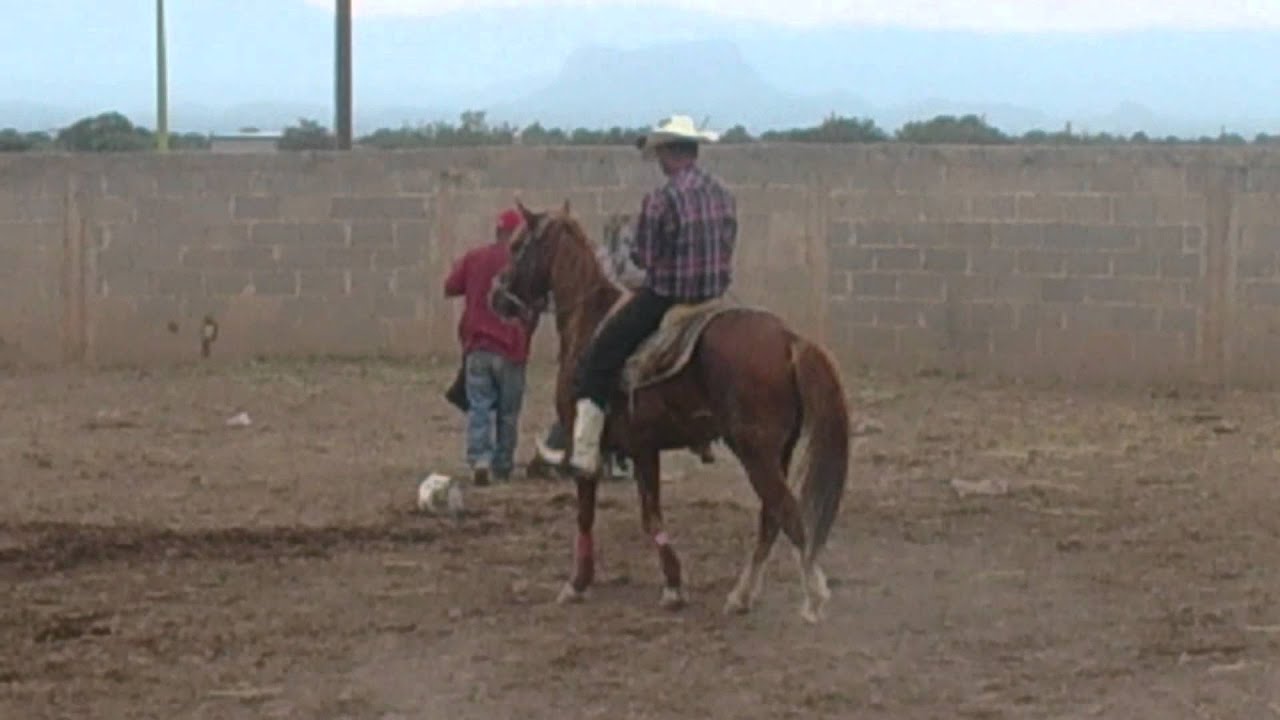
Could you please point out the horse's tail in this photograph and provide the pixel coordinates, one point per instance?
(824, 432)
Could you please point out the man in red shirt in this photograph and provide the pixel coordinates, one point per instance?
(495, 353)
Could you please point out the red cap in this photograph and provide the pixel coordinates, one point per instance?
(509, 220)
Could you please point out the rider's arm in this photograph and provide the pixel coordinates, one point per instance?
(653, 230)
(629, 275)
(456, 283)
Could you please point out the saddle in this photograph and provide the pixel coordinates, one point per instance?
(667, 351)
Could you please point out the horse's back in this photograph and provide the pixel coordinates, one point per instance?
(749, 348)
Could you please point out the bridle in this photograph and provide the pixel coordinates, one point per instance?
(541, 304)
(528, 310)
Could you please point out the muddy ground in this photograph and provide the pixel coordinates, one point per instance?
(1004, 552)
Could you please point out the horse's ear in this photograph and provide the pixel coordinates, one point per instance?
(529, 216)
(565, 210)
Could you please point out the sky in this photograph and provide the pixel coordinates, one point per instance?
(267, 62)
(984, 15)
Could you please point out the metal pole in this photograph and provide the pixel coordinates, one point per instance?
(162, 83)
(342, 91)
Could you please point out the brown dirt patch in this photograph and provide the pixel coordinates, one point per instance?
(1004, 552)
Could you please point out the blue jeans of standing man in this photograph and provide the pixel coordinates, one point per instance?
(495, 391)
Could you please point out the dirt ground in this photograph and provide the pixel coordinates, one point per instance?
(1004, 552)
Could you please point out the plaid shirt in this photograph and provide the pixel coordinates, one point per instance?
(685, 237)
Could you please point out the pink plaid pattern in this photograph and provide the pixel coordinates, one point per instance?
(685, 237)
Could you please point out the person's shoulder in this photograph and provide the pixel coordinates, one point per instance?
(718, 187)
(659, 191)
(476, 259)
(656, 199)
(711, 179)
(489, 251)
(474, 252)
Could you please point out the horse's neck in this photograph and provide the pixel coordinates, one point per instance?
(581, 304)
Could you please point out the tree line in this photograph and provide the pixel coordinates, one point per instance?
(113, 132)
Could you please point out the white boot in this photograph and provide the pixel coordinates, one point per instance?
(588, 423)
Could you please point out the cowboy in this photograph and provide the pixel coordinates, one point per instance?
(495, 354)
(684, 241)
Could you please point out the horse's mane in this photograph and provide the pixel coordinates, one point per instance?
(581, 289)
(582, 259)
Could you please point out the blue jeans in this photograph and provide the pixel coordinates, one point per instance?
(495, 391)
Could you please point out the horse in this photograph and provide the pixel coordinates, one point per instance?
(736, 374)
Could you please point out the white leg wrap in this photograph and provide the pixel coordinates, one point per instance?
(587, 427)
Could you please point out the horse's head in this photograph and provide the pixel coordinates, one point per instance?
(524, 288)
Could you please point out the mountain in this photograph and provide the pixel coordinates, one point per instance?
(707, 80)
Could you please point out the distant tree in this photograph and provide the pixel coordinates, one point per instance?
(613, 136)
(306, 135)
(1104, 139)
(949, 129)
(1036, 137)
(189, 141)
(474, 129)
(403, 138)
(834, 129)
(472, 121)
(1226, 138)
(16, 141)
(736, 135)
(537, 135)
(1064, 136)
(108, 132)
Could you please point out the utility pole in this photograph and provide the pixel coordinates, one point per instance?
(162, 83)
(342, 89)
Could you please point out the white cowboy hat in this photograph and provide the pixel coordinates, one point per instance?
(677, 128)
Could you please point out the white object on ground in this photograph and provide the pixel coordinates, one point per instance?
(239, 420)
(437, 492)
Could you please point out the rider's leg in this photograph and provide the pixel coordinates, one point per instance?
(598, 368)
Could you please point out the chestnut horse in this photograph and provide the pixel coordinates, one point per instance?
(750, 382)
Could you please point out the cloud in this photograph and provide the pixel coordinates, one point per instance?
(986, 15)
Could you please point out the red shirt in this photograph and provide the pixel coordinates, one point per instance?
(473, 277)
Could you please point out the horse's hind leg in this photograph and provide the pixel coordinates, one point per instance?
(751, 580)
(777, 500)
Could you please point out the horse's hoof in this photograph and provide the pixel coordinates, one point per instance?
(672, 599)
(570, 595)
(811, 614)
(820, 585)
(735, 605)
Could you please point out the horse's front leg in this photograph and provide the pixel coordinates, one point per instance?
(648, 480)
(584, 567)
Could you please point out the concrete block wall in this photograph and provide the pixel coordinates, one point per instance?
(1093, 265)
(1130, 265)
